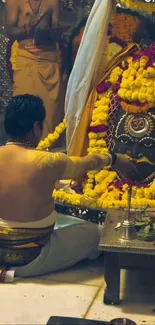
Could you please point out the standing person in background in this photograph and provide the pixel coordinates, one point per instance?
(74, 43)
(35, 25)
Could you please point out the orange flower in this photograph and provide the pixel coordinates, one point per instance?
(131, 108)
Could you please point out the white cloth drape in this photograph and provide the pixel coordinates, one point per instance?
(87, 64)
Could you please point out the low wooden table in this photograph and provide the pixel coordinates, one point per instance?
(121, 254)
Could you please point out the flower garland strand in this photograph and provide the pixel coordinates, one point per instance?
(97, 140)
(52, 137)
(13, 59)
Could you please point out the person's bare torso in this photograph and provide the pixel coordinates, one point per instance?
(25, 188)
(29, 11)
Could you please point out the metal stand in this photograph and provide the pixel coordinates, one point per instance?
(127, 230)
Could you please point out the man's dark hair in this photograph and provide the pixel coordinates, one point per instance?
(21, 114)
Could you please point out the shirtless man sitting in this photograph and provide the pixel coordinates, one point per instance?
(35, 24)
(28, 240)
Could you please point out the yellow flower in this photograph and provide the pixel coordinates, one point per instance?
(101, 143)
(92, 135)
(134, 96)
(145, 74)
(150, 90)
(121, 93)
(128, 95)
(141, 70)
(126, 73)
(133, 72)
(138, 82)
(151, 71)
(143, 61)
(92, 143)
(51, 138)
(136, 65)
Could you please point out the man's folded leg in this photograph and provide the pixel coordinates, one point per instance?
(66, 247)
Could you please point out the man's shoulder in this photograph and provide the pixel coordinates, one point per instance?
(46, 158)
(13, 3)
(40, 158)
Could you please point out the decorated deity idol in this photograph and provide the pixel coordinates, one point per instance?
(118, 114)
(121, 115)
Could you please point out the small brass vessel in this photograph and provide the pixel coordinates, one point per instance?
(122, 321)
(128, 231)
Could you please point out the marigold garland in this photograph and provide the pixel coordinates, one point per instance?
(52, 137)
(103, 189)
(138, 81)
(130, 108)
(13, 58)
(106, 191)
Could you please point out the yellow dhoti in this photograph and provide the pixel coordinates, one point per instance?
(38, 73)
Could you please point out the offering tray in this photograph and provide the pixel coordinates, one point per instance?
(111, 240)
(92, 215)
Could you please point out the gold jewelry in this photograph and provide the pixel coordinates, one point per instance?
(36, 12)
(110, 158)
(19, 143)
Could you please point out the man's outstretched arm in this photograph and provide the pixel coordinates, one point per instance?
(77, 166)
(63, 167)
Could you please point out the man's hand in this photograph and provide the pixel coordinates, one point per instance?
(126, 168)
(81, 179)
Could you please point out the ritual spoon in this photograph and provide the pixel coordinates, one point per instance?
(129, 202)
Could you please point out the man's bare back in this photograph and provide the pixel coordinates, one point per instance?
(28, 178)
(27, 183)
(32, 19)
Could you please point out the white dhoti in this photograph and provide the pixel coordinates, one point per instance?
(67, 246)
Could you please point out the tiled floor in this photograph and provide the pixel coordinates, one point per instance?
(77, 292)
